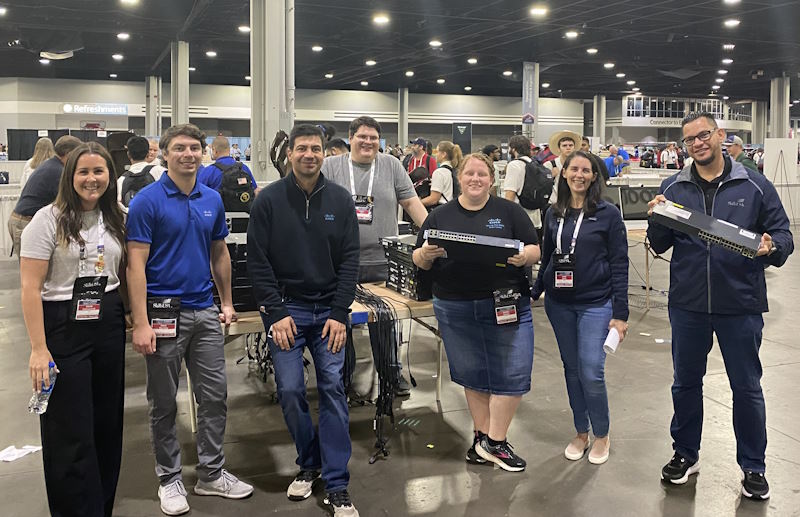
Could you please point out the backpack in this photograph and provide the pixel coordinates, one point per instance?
(133, 183)
(236, 190)
(456, 186)
(538, 186)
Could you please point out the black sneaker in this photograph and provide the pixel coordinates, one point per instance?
(342, 507)
(679, 469)
(472, 456)
(503, 455)
(754, 485)
(403, 388)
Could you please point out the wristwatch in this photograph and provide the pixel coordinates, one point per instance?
(772, 250)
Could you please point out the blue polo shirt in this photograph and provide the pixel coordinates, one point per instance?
(211, 175)
(179, 230)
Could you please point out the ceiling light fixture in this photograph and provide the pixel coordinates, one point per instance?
(539, 10)
(440, 81)
(468, 88)
(328, 76)
(123, 36)
(409, 73)
(733, 22)
(129, 2)
(364, 83)
(370, 62)
(507, 73)
(631, 83)
(728, 46)
(731, 2)
(635, 89)
(545, 85)
(591, 51)
(727, 61)
(244, 28)
(192, 69)
(380, 19)
(211, 53)
(316, 48)
(118, 57)
(608, 66)
(3, 11)
(571, 34)
(472, 61)
(435, 43)
(620, 75)
(44, 61)
(113, 76)
(725, 97)
(248, 78)
(719, 80)
(716, 87)
(722, 72)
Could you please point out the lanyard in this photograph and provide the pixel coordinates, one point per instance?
(99, 266)
(353, 181)
(574, 234)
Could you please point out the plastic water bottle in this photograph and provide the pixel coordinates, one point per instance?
(39, 401)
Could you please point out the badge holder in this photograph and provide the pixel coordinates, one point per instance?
(505, 306)
(364, 204)
(564, 263)
(164, 314)
(88, 291)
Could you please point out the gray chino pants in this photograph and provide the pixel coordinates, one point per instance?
(200, 342)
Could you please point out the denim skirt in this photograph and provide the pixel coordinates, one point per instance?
(485, 356)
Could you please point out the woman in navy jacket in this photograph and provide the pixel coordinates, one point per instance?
(584, 272)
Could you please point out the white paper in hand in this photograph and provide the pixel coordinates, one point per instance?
(612, 341)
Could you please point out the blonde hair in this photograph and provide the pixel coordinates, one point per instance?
(43, 151)
(453, 152)
(480, 157)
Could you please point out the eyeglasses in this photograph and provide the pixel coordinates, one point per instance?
(367, 138)
(703, 136)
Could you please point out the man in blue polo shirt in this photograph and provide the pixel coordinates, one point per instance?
(176, 232)
(211, 175)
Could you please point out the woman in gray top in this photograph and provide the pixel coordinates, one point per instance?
(71, 267)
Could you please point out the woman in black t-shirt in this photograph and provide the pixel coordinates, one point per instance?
(493, 361)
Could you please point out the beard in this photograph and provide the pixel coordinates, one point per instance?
(708, 161)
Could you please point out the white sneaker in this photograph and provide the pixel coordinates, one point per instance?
(173, 498)
(227, 485)
(302, 485)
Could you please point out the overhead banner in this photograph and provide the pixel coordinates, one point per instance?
(529, 87)
(462, 135)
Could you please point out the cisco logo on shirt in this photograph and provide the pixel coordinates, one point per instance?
(495, 224)
(329, 217)
(738, 202)
(208, 213)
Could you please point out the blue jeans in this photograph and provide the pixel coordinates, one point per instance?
(329, 448)
(581, 331)
(739, 337)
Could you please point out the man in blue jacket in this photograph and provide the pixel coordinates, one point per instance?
(715, 291)
(302, 256)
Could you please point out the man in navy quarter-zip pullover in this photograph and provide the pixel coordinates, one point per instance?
(302, 257)
(715, 291)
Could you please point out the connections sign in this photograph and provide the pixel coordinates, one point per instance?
(96, 109)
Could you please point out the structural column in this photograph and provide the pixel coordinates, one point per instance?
(151, 106)
(179, 82)
(779, 107)
(269, 98)
(759, 121)
(402, 116)
(530, 100)
(598, 122)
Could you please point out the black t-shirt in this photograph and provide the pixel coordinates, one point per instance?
(458, 280)
(710, 187)
(41, 188)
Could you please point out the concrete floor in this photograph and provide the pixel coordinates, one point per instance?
(426, 475)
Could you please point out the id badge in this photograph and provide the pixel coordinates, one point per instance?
(564, 266)
(505, 306)
(364, 209)
(164, 314)
(87, 298)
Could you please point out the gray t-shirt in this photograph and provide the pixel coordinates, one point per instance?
(391, 185)
(39, 242)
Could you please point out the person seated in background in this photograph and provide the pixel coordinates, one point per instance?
(42, 151)
(336, 147)
(484, 310)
